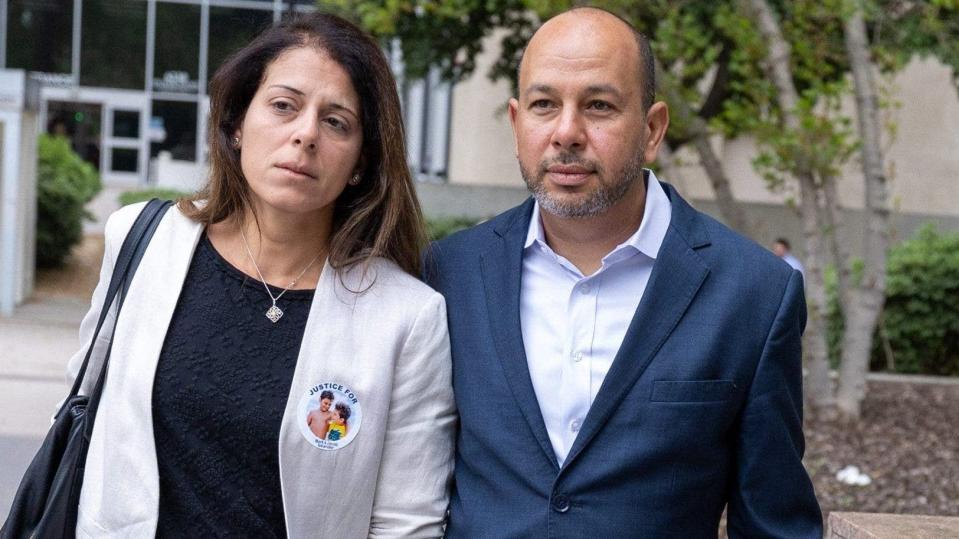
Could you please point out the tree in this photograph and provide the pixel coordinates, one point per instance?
(925, 28)
(794, 155)
(863, 301)
(861, 282)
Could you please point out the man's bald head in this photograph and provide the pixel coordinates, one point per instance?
(586, 23)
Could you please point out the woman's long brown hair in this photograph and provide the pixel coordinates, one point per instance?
(379, 217)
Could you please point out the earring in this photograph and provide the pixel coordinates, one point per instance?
(355, 180)
(236, 142)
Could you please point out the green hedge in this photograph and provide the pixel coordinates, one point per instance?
(922, 305)
(440, 227)
(919, 330)
(142, 195)
(65, 183)
(835, 323)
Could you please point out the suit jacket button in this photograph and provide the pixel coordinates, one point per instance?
(560, 503)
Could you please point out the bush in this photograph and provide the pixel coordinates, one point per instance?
(922, 305)
(65, 183)
(439, 228)
(142, 195)
(835, 323)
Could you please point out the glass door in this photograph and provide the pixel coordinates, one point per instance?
(124, 159)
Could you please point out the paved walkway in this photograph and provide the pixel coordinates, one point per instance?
(35, 345)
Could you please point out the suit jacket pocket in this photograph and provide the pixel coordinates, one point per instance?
(693, 390)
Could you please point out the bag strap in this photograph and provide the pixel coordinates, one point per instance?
(127, 261)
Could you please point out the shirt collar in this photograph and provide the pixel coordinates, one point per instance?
(647, 239)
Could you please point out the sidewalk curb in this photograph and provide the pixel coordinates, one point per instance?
(912, 378)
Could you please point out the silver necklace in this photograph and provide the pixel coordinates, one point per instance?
(274, 313)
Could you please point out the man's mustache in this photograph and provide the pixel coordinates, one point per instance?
(567, 158)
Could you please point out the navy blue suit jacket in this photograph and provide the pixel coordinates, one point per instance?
(702, 406)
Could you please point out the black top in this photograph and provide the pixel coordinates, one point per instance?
(221, 387)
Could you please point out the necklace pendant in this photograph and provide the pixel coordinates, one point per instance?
(274, 313)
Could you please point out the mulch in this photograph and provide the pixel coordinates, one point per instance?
(79, 275)
(907, 442)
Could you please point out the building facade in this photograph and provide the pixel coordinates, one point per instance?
(126, 81)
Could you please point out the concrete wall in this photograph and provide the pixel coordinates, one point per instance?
(772, 220)
(481, 141)
(888, 526)
(18, 179)
(185, 176)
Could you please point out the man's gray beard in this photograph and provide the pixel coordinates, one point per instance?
(595, 203)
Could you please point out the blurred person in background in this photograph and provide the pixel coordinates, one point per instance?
(783, 250)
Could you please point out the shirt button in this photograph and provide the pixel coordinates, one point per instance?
(560, 503)
(577, 357)
(574, 425)
(585, 289)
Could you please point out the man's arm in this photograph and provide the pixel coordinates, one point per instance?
(772, 495)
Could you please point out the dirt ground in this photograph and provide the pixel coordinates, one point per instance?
(77, 278)
(907, 442)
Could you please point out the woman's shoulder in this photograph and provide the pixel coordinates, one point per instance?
(384, 280)
(120, 221)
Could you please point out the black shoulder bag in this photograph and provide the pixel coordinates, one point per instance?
(46, 503)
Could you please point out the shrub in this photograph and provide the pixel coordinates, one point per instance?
(922, 305)
(142, 195)
(65, 183)
(440, 227)
(835, 323)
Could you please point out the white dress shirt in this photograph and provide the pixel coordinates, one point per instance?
(795, 263)
(573, 324)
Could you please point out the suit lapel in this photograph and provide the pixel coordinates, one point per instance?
(502, 267)
(157, 285)
(676, 277)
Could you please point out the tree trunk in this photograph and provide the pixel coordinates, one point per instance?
(819, 389)
(669, 167)
(732, 213)
(833, 219)
(868, 295)
(697, 130)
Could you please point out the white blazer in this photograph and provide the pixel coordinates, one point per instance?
(389, 344)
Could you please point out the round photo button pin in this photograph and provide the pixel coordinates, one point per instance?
(329, 415)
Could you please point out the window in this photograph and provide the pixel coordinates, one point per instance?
(113, 44)
(178, 119)
(231, 29)
(177, 48)
(124, 160)
(80, 122)
(126, 123)
(39, 35)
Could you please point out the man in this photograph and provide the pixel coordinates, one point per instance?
(624, 366)
(783, 250)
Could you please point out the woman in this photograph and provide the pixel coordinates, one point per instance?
(287, 281)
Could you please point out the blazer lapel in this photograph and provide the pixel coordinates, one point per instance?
(677, 275)
(132, 487)
(502, 267)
